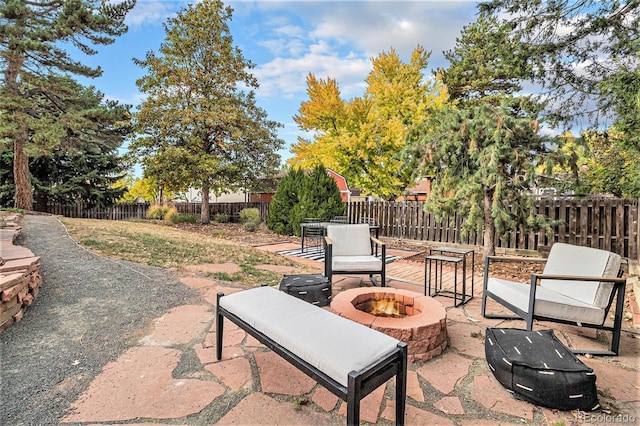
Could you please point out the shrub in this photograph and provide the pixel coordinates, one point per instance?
(221, 218)
(250, 215)
(250, 218)
(250, 226)
(183, 218)
(157, 212)
(170, 213)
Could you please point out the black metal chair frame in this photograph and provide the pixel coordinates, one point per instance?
(329, 272)
(617, 293)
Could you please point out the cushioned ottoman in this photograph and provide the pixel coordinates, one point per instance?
(312, 288)
(538, 368)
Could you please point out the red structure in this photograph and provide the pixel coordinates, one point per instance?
(270, 185)
(345, 193)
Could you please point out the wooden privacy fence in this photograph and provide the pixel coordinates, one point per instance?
(231, 209)
(606, 223)
(119, 211)
(122, 211)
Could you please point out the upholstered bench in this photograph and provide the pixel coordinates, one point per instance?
(349, 359)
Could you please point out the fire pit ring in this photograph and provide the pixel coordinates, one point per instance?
(422, 323)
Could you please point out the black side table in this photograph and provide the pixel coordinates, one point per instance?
(433, 263)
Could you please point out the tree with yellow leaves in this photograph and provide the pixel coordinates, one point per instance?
(361, 138)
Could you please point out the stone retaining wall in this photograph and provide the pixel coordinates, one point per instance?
(20, 278)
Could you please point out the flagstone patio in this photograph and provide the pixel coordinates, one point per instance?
(172, 375)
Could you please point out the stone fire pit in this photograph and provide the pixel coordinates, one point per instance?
(420, 321)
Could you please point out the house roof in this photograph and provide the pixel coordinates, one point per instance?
(421, 187)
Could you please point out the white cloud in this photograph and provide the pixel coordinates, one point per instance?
(152, 11)
(338, 40)
(287, 76)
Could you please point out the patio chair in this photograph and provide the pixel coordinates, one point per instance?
(348, 249)
(313, 235)
(577, 286)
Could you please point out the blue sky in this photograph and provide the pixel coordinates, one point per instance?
(287, 40)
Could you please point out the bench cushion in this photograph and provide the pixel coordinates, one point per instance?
(332, 344)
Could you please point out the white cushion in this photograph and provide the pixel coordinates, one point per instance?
(548, 302)
(356, 263)
(568, 259)
(331, 343)
(350, 239)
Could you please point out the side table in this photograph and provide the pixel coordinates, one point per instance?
(434, 263)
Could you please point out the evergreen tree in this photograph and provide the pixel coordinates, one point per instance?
(482, 152)
(86, 177)
(584, 53)
(7, 185)
(201, 128)
(85, 164)
(38, 104)
(319, 198)
(287, 196)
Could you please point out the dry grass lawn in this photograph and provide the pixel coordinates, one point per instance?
(166, 246)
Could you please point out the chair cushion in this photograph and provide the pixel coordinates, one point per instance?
(356, 263)
(350, 239)
(548, 302)
(568, 259)
(329, 342)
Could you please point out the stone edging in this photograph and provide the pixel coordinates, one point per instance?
(20, 277)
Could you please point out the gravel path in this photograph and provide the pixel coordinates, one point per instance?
(89, 310)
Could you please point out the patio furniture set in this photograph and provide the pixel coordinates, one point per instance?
(578, 286)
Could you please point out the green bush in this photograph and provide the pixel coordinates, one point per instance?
(250, 226)
(250, 218)
(279, 219)
(183, 218)
(250, 215)
(221, 218)
(319, 197)
(302, 195)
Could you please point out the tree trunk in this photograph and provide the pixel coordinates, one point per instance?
(489, 226)
(23, 196)
(204, 213)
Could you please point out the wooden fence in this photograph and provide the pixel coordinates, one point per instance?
(608, 223)
(122, 211)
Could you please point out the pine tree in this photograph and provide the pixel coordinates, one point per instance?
(579, 52)
(85, 163)
(319, 198)
(36, 93)
(482, 151)
(85, 177)
(201, 128)
(286, 198)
